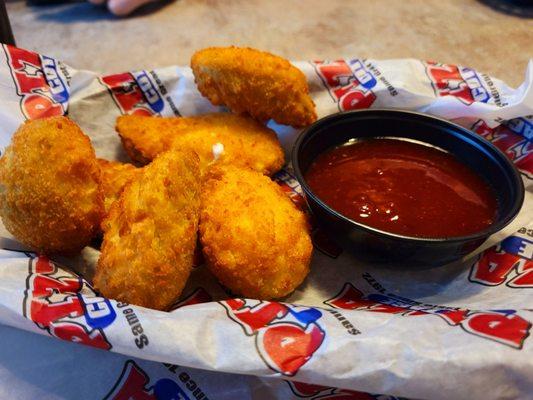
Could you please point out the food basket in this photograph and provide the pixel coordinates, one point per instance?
(456, 331)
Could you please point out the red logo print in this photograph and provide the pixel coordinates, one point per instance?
(315, 392)
(460, 82)
(131, 385)
(509, 262)
(37, 98)
(349, 83)
(515, 146)
(127, 94)
(286, 337)
(53, 300)
(501, 326)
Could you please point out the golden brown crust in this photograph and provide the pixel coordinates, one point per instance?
(250, 81)
(150, 233)
(255, 240)
(50, 196)
(115, 176)
(246, 142)
(145, 137)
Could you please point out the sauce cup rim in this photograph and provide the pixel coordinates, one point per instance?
(498, 225)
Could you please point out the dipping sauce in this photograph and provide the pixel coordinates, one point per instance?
(403, 187)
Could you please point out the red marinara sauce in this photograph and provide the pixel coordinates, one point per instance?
(403, 187)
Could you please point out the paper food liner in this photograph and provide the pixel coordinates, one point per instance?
(459, 331)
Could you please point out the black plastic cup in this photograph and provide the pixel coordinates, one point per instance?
(377, 246)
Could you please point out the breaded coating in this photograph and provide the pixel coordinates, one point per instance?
(115, 176)
(145, 137)
(250, 81)
(246, 142)
(255, 240)
(50, 196)
(150, 233)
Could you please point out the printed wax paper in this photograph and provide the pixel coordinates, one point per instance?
(350, 331)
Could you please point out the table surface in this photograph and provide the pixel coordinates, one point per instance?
(464, 32)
